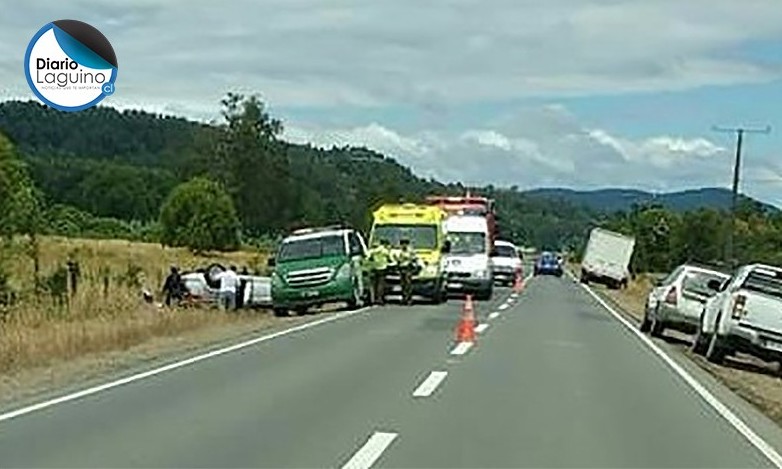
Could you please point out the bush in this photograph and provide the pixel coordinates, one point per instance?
(200, 215)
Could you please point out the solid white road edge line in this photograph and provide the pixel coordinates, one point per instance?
(461, 348)
(172, 366)
(481, 327)
(371, 451)
(494, 315)
(758, 442)
(430, 384)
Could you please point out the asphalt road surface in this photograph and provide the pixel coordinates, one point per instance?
(553, 381)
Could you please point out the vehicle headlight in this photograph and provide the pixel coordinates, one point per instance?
(343, 272)
(276, 279)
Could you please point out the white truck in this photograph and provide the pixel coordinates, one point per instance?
(506, 262)
(744, 315)
(468, 267)
(607, 258)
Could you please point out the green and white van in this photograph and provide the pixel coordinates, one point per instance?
(318, 266)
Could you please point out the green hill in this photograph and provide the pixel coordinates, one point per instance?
(613, 200)
(123, 164)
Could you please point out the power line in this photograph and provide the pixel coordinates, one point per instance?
(739, 131)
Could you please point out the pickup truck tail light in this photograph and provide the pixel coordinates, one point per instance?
(671, 296)
(739, 302)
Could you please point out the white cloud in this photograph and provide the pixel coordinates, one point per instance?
(553, 149)
(429, 54)
(182, 56)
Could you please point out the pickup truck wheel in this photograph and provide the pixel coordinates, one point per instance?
(646, 324)
(281, 312)
(716, 352)
(657, 327)
(700, 343)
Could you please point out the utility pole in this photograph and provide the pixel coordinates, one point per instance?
(739, 131)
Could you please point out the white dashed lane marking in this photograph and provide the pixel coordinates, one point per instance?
(371, 451)
(430, 384)
(461, 348)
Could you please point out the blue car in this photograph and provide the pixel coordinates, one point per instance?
(548, 264)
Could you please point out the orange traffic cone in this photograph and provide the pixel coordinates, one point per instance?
(465, 330)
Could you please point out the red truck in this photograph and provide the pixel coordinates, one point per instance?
(468, 205)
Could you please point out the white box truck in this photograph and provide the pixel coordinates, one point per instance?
(607, 258)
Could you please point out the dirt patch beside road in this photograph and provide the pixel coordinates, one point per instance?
(756, 381)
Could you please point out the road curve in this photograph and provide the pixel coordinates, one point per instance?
(554, 380)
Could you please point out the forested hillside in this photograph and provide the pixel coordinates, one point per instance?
(122, 166)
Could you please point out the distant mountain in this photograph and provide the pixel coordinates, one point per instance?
(612, 200)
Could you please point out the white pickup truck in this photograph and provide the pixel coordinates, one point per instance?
(607, 258)
(745, 315)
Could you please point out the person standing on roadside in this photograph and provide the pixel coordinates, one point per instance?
(408, 265)
(229, 285)
(242, 288)
(379, 257)
(173, 288)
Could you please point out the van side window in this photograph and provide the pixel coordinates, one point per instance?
(355, 245)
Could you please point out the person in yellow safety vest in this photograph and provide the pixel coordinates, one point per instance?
(407, 262)
(379, 258)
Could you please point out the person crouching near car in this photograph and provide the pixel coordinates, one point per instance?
(229, 285)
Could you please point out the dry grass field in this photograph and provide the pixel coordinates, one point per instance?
(107, 313)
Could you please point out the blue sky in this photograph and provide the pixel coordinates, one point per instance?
(572, 93)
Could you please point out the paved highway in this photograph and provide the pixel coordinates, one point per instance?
(554, 380)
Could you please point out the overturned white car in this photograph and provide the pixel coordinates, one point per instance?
(202, 286)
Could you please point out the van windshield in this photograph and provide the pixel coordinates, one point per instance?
(467, 243)
(505, 251)
(420, 236)
(308, 248)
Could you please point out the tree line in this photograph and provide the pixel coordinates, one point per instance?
(665, 238)
(142, 176)
(103, 172)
